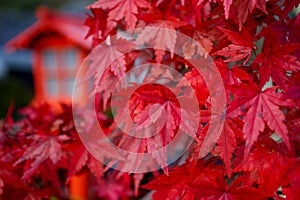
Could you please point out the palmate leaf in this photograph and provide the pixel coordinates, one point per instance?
(201, 180)
(119, 9)
(241, 47)
(275, 62)
(42, 157)
(81, 158)
(227, 141)
(277, 157)
(163, 39)
(262, 108)
(44, 148)
(97, 24)
(246, 7)
(105, 56)
(156, 117)
(175, 185)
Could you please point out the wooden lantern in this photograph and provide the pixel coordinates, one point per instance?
(59, 46)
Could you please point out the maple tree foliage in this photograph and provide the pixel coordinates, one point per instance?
(255, 46)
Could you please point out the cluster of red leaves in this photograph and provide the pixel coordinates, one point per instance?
(255, 46)
(42, 151)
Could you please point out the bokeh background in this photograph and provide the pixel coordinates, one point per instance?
(16, 82)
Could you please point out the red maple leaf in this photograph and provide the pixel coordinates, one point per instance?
(232, 77)
(81, 158)
(275, 61)
(41, 149)
(277, 157)
(262, 107)
(121, 9)
(107, 55)
(286, 31)
(175, 185)
(161, 39)
(240, 49)
(227, 141)
(195, 79)
(96, 24)
(155, 111)
(244, 7)
(201, 181)
(236, 190)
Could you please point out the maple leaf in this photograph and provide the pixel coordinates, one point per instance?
(200, 181)
(195, 79)
(41, 149)
(240, 49)
(246, 7)
(45, 147)
(205, 34)
(232, 77)
(155, 111)
(205, 40)
(121, 9)
(160, 39)
(263, 107)
(169, 120)
(227, 142)
(96, 24)
(220, 190)
(133, 161)
(104, 56)
(100, 150)
(275, 62)
(174, 185)
(266, 174)
(81, 158)
(286, 32)
(174, 115)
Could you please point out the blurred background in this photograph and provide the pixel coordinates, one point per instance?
(16, 79)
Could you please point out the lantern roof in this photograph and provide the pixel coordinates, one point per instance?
(68, 26)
